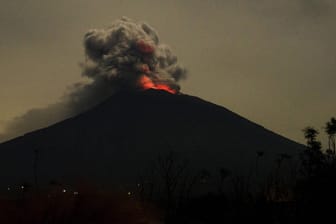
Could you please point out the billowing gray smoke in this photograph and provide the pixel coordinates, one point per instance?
(122, 53)
(117, 58)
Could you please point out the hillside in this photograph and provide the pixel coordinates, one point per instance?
(116, 141)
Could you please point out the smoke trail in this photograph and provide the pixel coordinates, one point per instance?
(117, 58)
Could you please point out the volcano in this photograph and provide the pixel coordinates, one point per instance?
(114, 141)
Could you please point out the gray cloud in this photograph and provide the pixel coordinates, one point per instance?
(34, 119)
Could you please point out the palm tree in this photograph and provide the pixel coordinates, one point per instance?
(313, 156)
(310, 135)
(330, 129)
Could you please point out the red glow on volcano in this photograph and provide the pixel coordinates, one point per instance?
(144, 47)
(146, 83)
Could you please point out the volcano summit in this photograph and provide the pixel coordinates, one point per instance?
(116, 140)
(137, 113)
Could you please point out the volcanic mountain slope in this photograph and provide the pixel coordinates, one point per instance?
(116, 140)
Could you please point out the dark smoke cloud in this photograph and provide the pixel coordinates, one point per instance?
(116, 57)
(126, 50)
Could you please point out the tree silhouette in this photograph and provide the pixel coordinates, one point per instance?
(310, 135)
(330, 129)
(313, 157)
(315, 192)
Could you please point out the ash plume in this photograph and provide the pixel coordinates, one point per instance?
(116, 59)
(121, 53)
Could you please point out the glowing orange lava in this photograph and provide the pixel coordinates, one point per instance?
(146, 83)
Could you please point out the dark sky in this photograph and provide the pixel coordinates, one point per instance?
(271, 61)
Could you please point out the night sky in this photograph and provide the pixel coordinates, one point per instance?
(271, 61)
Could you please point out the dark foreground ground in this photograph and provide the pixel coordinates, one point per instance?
(311, 201)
